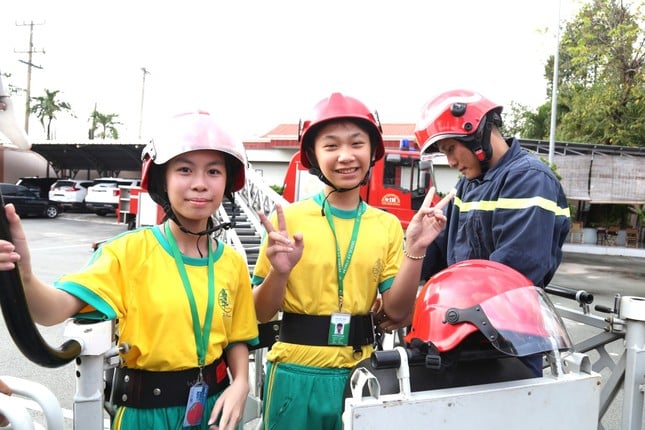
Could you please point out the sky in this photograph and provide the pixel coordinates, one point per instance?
(255, 64)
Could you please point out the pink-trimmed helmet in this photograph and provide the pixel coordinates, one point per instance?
(186, 132)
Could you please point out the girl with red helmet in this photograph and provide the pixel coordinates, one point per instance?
(323, 262)
(182, 297)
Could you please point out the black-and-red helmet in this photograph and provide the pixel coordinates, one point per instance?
(484, 296)
(458, 114)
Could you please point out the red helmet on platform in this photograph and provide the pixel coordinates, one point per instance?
(338, 106)
(517, 318)
(458, 114)
(191, 131)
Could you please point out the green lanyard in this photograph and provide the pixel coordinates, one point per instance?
(340, 266)
(201, 335)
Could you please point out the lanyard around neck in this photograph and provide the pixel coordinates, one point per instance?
(342, 267)
(201, 334)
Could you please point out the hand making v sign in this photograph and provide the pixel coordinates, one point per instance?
(283, 252)
(426, 224)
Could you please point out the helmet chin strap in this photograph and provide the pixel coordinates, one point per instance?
(319, 174)
(480, 144)
(211, 227)
(207, 231)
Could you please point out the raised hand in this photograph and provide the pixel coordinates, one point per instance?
(18, 251)
(282, 252)
(427, 223)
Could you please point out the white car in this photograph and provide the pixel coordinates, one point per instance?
(69, 193)
(103, 195)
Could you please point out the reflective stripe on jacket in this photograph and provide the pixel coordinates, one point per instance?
(516, 214)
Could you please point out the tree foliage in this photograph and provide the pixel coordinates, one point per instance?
(47, 107)
(601, 78)
(107, 123)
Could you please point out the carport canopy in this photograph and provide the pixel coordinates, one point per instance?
(107, 157)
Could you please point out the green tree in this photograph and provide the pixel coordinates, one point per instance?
(107, 122)
(603, 75)
(47, 107)
(601, 78)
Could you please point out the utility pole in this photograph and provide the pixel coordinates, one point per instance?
(29, 64)
(143, 89)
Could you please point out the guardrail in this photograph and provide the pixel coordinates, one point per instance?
(259, 197)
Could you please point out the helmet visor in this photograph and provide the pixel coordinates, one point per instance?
(524, 322)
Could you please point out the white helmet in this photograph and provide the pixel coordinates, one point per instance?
(191, 131)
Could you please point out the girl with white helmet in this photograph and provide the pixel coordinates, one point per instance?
(182, 297)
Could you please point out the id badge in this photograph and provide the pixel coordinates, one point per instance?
(339, 329)
(196, 404)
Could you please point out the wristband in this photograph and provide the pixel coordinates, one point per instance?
(413, 257)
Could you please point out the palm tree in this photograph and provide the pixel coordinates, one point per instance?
(107, 123)
(47, 107)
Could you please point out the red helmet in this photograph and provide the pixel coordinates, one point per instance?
(338, 106)
(187, 132)
(457, 114)
(517, 318)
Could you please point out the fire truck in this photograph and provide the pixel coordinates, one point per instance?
(398, 182)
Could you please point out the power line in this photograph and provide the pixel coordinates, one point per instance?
(30, 65)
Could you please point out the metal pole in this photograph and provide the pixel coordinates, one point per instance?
(632, 309)
(29, 64)
(143, 89)
(554, 90)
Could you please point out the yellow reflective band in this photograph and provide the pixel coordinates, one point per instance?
(491, 205)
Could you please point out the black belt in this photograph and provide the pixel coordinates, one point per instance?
(314, 330)
(145, 389)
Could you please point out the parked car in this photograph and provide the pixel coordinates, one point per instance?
(27, 202)
(37, 184)
(69, 193)
(103, 195)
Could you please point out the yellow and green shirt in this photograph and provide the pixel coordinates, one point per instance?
(312, 288)
(134, 278)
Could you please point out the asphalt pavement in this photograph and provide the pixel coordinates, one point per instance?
(603, 275)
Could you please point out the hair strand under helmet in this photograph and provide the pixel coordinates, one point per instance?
(463, 115)
(186, 132)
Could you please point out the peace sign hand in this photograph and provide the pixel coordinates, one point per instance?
(426, 224)
(282, 252)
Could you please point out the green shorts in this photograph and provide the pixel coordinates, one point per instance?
(303, 397)
(171, 418)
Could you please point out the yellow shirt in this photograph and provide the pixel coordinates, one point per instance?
(134, 278)
(312, 288)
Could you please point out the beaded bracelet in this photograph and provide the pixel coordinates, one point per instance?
(413, 257)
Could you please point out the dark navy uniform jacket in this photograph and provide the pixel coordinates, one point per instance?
(515, 214)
